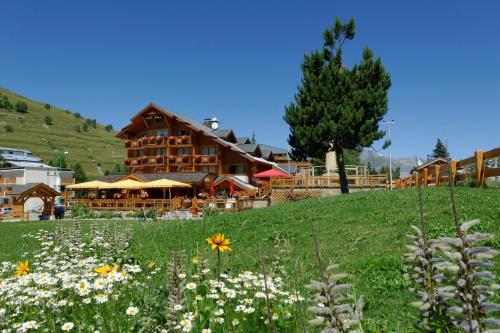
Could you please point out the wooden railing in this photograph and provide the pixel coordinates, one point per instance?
(152, 141)
(168, 204)
(172, 159)
(369, 181)
(474, 167)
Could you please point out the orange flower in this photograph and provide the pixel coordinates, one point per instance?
(219, 242)
(23, 268)
(104, 270)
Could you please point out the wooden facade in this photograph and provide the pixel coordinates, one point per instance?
(159, 141)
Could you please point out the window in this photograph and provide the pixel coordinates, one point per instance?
(162, 132)
(211, 169)
(236, 169)
(208, 150)
(183, 151)
(160, 151)
(181, 132)
(140, 153)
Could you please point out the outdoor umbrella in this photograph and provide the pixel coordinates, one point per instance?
(272, 173)
(164, 184)
(211, 192)
(124, 184)
(91, 185)
(231, 187)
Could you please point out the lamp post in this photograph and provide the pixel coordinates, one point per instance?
(61, 155)
(388, 123)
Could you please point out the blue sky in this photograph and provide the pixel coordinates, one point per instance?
(239, 61)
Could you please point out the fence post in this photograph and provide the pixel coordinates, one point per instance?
(417, 178)
(437, 170)
(479, 156)
(426, 176)
(453, 172)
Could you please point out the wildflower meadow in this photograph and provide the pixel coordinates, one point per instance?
(224, 274)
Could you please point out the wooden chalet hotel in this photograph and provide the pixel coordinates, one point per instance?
(200, 160)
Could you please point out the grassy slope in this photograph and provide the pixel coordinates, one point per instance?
(88, 148)
(364, 232)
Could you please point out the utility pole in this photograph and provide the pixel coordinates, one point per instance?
(388, 123)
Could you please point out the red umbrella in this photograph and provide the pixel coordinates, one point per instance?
(211, 192)
(231, 187)
(272, 173)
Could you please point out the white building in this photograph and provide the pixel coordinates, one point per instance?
(24, 170)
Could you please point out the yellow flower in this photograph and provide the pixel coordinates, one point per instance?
(218, 242)
(22, 269)
(104, 270)
(195, 260)
(151, 264)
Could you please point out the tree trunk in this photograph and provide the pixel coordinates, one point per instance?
(339, 154)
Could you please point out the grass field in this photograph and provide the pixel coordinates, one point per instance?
(363, 232)
(96, 149)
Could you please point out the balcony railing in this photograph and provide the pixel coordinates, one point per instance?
(180, 140)
(151, 141)
(171, 159)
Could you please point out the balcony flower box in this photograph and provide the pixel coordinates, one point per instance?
(128, 143)
(135, 143)
(211, 157)
(185, 139)
(152, 140)
(171, 140)
(127, 161)
(144, 140)
(171, 158)
(159, 140)
(159, 158)
(197, 158)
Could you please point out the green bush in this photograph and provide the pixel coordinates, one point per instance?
(108, 215)
(21, 107)
(82, 211)
(48, 120)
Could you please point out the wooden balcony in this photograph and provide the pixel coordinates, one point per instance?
(149, 141)
(180, 141)
(146, 160)
(205, 159)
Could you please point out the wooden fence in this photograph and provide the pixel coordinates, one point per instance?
(167, 204)
(474, 167)
(307, 182)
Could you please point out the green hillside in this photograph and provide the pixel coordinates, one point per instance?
(364, 232)
(96, 149)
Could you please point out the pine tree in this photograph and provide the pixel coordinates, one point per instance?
(440, 150)
(335, 108)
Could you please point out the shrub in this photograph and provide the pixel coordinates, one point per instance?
(78, 129)
(47, 106)
(21, 107)
(108, 215)
(77, 115)
(108, 128)
(82, 211)
(48, 120)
